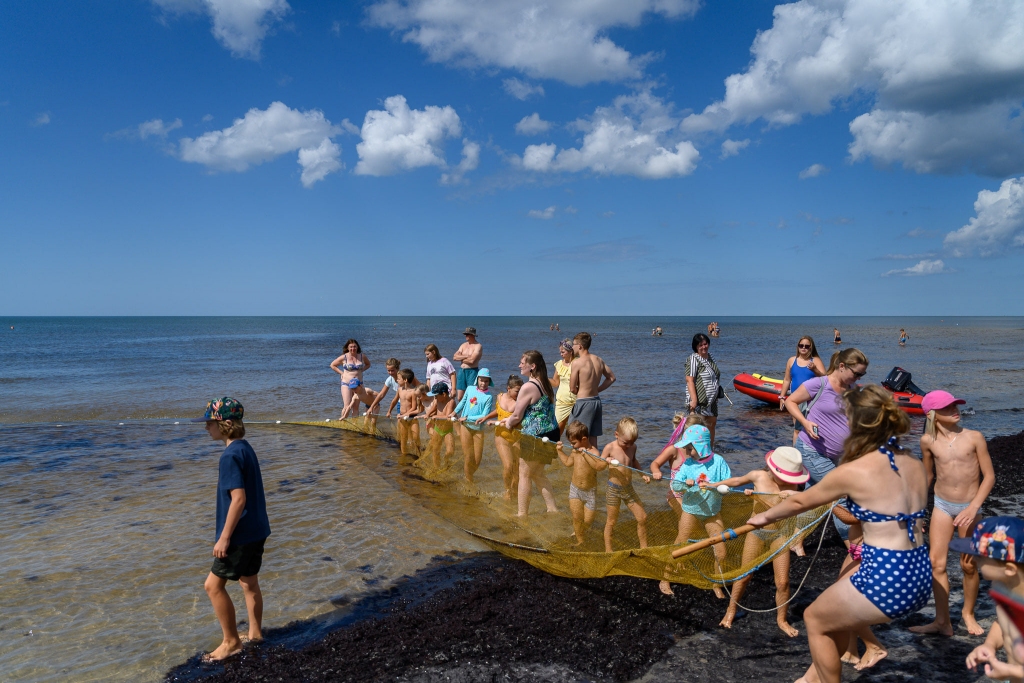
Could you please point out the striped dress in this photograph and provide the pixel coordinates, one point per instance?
(705, 379)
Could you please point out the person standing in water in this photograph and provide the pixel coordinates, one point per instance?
(590, 376)
(799, 368)
(903, 337)
(535, 411)
(561, 381)
(836, 337)
(351, 365)
(702, 382)
(469, 354)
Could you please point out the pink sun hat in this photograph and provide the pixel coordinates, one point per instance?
(787, 463)
(937, 400)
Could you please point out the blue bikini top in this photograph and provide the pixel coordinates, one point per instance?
(865, 515)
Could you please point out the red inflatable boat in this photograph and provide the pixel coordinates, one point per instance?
(767, 389)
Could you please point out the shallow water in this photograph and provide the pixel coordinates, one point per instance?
(107, 528)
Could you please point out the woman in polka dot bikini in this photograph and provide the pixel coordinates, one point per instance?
(887, 491)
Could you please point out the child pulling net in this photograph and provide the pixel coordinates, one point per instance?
(468, 475)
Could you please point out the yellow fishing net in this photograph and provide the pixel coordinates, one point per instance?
(434, 451)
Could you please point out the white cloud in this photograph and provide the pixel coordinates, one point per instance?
(532, 125)
(813, 171)
(239, 25)
(262, 135)
(635, 136)
(521, 90)
(571, 209)
(41, 119)
(906, 257)
(400, 139)
(318, 162)
(921, 268)
(946, 78)
(566, 41)
(731, 148)
(998, 223)
(543, 214)
(207, 118)
(470, 160)
(155, 128)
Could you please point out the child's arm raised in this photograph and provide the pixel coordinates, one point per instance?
(988, 480)
(568, 459)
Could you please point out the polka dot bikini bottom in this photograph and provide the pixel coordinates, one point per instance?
(897, 582)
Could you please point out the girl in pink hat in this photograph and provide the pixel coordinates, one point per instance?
(958, 463)
(783, 474)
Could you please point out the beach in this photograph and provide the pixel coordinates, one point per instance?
(106, 468)
(484, 618)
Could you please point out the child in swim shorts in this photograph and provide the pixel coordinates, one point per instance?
(585, 462)
(620, 481)
(242, 526)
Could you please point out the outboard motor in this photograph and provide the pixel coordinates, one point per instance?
(898, 379)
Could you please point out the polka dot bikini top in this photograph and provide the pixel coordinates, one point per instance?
(865, 515)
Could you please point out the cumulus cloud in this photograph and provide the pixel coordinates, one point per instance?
(155, 128)
(319, 162)
(946, 78)
(398, 138)
(532, 125)
(470, 160)
(926, 267)
(262, 135)
(635, 136)
(521, 90)
(813, 171)
(566, 41)
(543, 214)
(41, 119)
(998, 223)
(239, 25)
(731, 148)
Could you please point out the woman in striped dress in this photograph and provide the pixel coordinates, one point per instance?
(702, 382)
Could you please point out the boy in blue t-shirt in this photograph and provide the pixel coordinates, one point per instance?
(702, 465)
(242, 526)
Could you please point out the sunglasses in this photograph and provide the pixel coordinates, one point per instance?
(803, 346)
(856, 374)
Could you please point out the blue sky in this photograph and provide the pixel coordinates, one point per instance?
(835, 157)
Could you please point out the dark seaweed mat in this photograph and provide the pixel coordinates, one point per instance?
(502, 620)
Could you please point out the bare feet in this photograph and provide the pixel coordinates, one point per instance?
(798, 550)
(787, 629)
(872, 655)
(973, 627)
(850, 658)
(223, 652)
(726, 621)
(665, 587)
(934, 628)
(719, 593)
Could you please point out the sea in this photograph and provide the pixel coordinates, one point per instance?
(107, 491)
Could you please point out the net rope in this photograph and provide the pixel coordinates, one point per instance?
(433, 468)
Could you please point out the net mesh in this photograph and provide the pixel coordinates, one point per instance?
(486, 507)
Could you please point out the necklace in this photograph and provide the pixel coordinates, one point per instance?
(950, 444)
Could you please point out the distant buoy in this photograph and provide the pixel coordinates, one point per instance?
(177, 423)
(278, 422)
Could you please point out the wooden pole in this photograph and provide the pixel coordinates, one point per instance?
(726, 535)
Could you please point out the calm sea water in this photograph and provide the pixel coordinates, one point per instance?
(108, 504)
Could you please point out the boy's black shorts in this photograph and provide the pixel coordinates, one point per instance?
(242, 560)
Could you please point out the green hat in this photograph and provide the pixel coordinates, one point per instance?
(221, 409)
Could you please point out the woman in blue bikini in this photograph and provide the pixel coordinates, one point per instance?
(351, 365)
(887, 490)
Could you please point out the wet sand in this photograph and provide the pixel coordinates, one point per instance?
(485, 618)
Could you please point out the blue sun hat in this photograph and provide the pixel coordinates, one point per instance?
(997, 538)
(699, 437)
(484, 372)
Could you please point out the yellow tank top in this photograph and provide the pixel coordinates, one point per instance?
(563, 396)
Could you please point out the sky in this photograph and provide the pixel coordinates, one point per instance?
(584, 157)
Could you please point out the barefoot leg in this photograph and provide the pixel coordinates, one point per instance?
(751, 549)
(940, 532)
(576, 508)
(609, 526)
(972, 582)
(253, 605)
(780, 566)
(225, 611)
